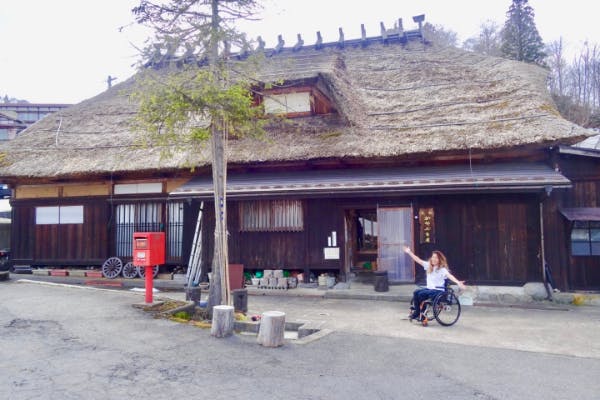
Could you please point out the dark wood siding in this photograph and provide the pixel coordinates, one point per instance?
(279, 250)
(568, 272)
(22, 237)
(489, 239)
(69, 244)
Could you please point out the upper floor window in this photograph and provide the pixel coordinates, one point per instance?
(297, 101)
(288, 103)
(137, 188)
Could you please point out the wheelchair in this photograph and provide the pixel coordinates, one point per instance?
(444, 307)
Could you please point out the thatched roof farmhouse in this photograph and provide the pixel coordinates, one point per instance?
(394, 141)
(394, 100)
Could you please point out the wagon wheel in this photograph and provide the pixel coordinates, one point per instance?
(112, 267)
(142, 271)
(129, 270)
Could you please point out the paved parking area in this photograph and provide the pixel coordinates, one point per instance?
(60, 342)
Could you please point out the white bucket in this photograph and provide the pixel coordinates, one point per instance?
(322, 280)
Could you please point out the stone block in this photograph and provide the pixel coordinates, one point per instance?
(93, 274)
(535, 290)
(42, 272)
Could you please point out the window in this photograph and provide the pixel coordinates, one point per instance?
(175, 229)
(137, 188)
(271, 216)
(59, 215)
(288, 103)
(585, 238)
(139, 217)
(149, 217)
(366, 230)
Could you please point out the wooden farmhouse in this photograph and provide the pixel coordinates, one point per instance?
(388, 140)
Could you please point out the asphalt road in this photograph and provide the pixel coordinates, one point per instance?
(70, 343)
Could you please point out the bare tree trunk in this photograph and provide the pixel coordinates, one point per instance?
(216, 297)
(219, 288)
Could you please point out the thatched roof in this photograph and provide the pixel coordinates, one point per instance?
(393, 100)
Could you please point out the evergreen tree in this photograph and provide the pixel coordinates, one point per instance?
(197, 100)
(520, 38)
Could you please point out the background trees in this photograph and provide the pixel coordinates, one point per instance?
(574, 80)
(520, 38)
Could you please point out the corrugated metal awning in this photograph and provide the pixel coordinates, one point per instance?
(581, 214)
(506, 177)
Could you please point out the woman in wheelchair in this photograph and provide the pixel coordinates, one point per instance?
(437, 272)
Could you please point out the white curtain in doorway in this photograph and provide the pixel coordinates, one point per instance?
(395, 231)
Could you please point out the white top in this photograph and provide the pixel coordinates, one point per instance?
(435, 280)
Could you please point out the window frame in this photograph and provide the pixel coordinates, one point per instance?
(271, 216)
(53, 215)
(589, 229)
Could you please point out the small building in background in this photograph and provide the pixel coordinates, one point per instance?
(15, 117)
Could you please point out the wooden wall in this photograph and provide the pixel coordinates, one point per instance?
(279, 250)
(579, 272)
(489, 239)
(69, 244)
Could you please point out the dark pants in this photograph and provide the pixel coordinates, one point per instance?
(419, 296)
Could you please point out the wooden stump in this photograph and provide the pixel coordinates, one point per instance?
(272, 327)
(222, 321)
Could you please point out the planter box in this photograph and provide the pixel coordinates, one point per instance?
(59, 272)
(43, 272)
(93, 274)
(77, 272)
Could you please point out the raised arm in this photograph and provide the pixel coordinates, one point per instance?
(461, 284)
(412, 255)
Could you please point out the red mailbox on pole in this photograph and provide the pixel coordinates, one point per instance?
(148, 251)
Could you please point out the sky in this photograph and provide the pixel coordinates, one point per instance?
(62, 51)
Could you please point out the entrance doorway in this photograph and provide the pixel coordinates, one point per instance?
(375, 237)
(395, 231)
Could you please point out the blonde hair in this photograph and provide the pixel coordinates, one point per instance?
(443, 261)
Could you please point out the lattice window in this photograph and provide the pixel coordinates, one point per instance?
(136, 217)
(271, 216)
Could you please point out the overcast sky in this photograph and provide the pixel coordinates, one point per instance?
(62, 51)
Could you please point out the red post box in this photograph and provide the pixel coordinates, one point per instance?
(148, 248)
(148, 251)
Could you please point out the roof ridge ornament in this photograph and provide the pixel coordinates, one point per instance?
(419, 20)
(319, 43)
(261, 43)
(298, 44)
(384, 33)
(363, 35)
(280, 43)
(341, 39)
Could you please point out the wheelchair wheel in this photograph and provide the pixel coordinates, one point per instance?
(446, 308)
